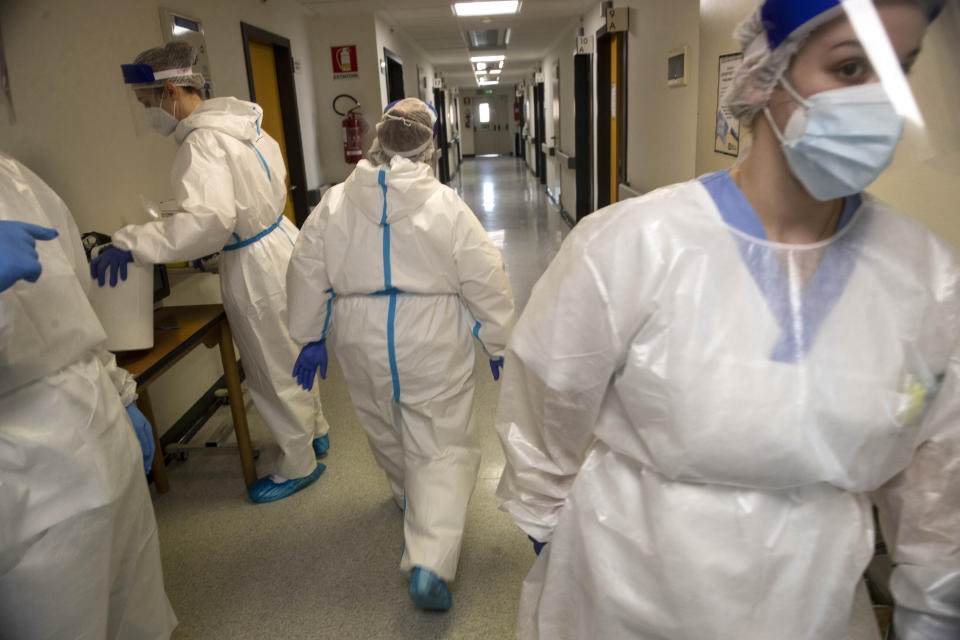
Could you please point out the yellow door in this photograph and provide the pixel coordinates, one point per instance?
(266, 88)
(614, 114)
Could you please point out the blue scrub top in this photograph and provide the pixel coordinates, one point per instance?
(818, 296)
(737, 211)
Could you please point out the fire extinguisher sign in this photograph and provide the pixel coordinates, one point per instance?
(345, 62)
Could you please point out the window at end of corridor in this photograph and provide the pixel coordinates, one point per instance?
(484, 112)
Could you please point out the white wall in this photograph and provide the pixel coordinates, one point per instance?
(356, 28)
(662, 120)
(922, 184)
(466, 133)
(718, 18)
(562, 138)
(550, 133)
(74, 126)
(565, 51)
(412, 54)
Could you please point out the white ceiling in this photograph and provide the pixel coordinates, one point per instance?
(432, 24)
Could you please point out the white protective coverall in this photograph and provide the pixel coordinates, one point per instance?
(698, 419)
(79, 556)
(402, 274)
(229, 179)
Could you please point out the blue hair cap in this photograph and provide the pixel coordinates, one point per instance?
(783, 17)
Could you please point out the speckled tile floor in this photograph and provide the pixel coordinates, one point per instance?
(323, 564)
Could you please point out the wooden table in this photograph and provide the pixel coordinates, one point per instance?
(177, 332)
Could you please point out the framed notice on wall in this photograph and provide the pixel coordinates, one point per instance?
(726, 139)
(344, 62)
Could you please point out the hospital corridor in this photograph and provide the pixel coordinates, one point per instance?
(480, 320)
(340, 546)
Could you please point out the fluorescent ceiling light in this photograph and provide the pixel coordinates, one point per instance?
(487, 58)
(481, 66)
(484, 83)
(501, 64)
(466, 9)
(496, 71)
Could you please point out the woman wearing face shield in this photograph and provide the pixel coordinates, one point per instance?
(229, 181)
(713, 385)
(398, 273)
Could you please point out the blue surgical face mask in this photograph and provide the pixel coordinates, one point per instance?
(838, 142)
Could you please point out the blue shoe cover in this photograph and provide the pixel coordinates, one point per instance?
(321, 445)
(429, 591)
(266, 490)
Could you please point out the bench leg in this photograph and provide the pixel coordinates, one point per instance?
(239, 414)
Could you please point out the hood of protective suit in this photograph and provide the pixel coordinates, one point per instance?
(236, 118)
(408, 184)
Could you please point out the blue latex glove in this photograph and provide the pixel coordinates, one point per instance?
(537, 545)
(18, 253)
(141, 426)
(495, 366)
(312, 357)
(113, 259)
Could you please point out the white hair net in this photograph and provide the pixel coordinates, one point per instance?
(174, 63)
(405, 130)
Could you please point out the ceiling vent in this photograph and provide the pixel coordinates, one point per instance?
(482, 39)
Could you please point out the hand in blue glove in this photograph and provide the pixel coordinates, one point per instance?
(312, 357)
(537, 545)
(141, 426)
(113, 259)
(495, 366)
(18, 253)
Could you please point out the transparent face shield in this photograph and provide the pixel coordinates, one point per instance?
(138, 101)
(922, 180)
(149, 104)
(888, 44)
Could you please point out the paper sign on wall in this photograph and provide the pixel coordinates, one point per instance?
(727, 136)
(584, 44)
(345, 62)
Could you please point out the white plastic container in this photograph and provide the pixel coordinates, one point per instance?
(126, 310)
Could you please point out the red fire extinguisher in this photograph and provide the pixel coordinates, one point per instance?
(352, 132)
(353, 127)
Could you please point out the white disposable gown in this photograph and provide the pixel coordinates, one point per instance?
(399, 273)
(79, 556)
(698, 421)
(229, 179)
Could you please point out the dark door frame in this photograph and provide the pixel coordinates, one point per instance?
(582, 118)
(541, 119)
(602, 87)
(283, 54)
(521, 143)
(393, 92)
(440, 103)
